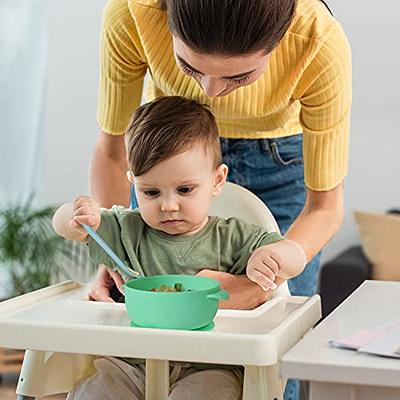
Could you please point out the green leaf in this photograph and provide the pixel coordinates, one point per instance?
(30, 250)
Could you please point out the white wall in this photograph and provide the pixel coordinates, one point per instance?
(373, 28)
(373, 182)
(71, 128)
(23, 55)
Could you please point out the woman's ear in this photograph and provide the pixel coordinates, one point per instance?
(220, 176)
(130, 177)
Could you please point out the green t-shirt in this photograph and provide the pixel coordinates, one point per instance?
(222, 245)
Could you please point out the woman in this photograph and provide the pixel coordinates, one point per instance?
(277, 75)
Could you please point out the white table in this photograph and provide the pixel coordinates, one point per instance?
(344, 374)
(60, 319)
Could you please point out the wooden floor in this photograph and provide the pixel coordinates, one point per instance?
(7, 387)
(7, 392)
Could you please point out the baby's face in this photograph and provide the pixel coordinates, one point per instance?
(174, 196)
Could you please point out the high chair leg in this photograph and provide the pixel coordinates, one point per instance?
(262, 383)
(46, 373)
(157, 379)
(31, 377)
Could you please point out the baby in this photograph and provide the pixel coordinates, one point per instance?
(175, 165)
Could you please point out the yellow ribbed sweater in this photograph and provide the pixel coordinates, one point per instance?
(306, 86)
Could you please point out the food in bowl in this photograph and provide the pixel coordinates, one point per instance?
(178, 287)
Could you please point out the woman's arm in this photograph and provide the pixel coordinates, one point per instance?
(243, 293)
(122, 70)
(109, 186)
(319, 220)
(108, 181)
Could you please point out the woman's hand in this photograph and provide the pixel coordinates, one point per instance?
(243, 293)
(285, 259)
(85, 211)
(106, 279)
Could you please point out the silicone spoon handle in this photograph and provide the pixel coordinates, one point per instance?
(95, 236)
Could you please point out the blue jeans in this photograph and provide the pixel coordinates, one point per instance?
(273, 170)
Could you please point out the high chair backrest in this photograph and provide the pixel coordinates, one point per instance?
(236, 201)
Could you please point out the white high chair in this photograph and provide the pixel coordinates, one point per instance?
(53, 366)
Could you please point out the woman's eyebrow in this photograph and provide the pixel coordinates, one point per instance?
(186, 64)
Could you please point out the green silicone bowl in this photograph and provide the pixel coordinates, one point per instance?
(173, 310)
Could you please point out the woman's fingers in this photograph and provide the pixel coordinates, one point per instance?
(101, 287)
(100, 294)
(119, 282)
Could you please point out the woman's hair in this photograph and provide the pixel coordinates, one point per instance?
(229, 27)
(169, 126)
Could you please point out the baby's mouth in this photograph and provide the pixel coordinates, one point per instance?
(172, 221)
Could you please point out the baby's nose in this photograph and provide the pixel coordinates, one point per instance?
(169, 205)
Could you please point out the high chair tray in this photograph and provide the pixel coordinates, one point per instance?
(60, 318)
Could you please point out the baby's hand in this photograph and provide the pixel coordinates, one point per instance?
(285, 259)
(85, 211)
(262, 267)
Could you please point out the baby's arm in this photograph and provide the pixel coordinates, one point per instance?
(67, 219)
(283, 259)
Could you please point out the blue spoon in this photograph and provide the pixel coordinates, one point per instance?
(96, 237)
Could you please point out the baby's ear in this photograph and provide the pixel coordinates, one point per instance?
(220, 176)
(130, 177)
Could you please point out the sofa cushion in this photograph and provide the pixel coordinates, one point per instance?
(380, 238)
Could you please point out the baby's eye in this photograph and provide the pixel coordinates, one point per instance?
(151, 193)
(185, 189)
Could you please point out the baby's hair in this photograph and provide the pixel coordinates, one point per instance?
(169, 126)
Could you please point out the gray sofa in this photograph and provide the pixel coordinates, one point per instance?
(341, 276)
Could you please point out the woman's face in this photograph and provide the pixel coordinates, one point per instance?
(219, 75)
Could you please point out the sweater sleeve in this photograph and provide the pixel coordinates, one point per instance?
(122, 68)
(324, 92)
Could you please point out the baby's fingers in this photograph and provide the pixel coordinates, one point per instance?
(82, 201)
(270, 264)
(87, 209)
(262, 279)
(90, 220)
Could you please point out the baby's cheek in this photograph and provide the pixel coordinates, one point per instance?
(200, 209)
(148, 214)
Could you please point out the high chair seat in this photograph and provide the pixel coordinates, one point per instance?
(59, 326)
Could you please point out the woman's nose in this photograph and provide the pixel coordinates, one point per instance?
(212, 87)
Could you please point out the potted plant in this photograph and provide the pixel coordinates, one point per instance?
(32, 255)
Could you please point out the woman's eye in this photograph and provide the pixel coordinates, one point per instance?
(185, 190)
(151, 193)
(241, 80)
(187, 70)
